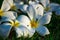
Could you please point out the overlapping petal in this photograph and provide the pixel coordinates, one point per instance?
(24, 27)
(35, 11)
(54, 6)
(31, 11)
(23, 31)
(42, 30)
(23, 8)
(17, 1)
(31, 2)
(5, 6)
(5, 28)
(24, 20)
(44, 2)
(57, 11)
(46, 18)
(10, 14)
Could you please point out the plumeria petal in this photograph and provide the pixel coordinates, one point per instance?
(42, 30)
(36, 11)
(31, 32)
(31, 11)
(23, 8)
(48, 13)
(23, 31)
(46, 18)
(5, 6)
(44, 2)
(23, 20)
(10, 15)
(5, 29)
(10, 2)
(19, 32)
(39, 10)
(18, 2)
(54, 6)
(31, 2)
(58, 11)
(5, 19)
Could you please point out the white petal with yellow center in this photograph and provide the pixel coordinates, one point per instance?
(12, 5)
(34, 24)
(25, 26)
(16, 23)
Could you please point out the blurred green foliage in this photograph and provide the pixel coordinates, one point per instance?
(56, 1)
(0, 3)
(53, 26)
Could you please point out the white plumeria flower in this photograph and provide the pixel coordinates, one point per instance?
(51, 6)
(37, 20)
(5, 13)
(25, 28)
(10, 4)
(22, 27)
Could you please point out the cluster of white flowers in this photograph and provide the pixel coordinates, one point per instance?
(38, 12)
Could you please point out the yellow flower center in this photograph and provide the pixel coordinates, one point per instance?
(15, 24)
(13, 7)
(1, 13)
(47, 9)
(34, 24)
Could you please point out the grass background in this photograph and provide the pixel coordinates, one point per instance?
(53, 26)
